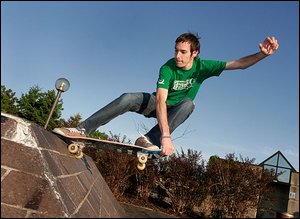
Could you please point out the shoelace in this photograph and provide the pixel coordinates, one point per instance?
(75, 130)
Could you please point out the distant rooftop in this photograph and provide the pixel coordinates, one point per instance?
(279, 165)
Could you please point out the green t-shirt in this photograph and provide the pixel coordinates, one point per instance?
(186, 83)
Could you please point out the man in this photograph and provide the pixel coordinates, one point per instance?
(179, 81)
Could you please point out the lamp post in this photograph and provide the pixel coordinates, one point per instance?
(61, 85)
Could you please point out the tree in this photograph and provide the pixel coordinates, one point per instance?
(99, 135)
(182, 177)
(234, 186)
(36, 106)
(8, 101)
(72, 122)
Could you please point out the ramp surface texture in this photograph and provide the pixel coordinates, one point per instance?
(40, 178)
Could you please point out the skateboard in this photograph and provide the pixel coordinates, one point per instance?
(76, 144)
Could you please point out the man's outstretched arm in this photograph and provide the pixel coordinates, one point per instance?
(269, 46)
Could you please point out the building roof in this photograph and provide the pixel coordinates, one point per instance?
(278, 159)
(280, 166)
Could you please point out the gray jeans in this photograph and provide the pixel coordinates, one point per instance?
(142, 103)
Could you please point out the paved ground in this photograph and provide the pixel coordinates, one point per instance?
(140, 212)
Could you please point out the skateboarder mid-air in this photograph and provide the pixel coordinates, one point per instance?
(178, 83)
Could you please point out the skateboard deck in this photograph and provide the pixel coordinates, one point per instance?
(76, 144)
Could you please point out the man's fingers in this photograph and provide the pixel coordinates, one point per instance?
(167, 151)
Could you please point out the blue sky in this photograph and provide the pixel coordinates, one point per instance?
(107, 48)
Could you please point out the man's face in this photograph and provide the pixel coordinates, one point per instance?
(183, 57)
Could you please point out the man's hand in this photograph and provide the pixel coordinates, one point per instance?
(269, 46)
(167, 147)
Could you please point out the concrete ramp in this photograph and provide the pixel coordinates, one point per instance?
(40, 178)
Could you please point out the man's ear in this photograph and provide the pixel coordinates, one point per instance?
(195, 53)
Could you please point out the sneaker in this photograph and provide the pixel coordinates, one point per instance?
(70, 132)
(144, 142)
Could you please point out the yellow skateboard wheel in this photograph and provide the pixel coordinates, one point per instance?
(79, 154)
(143, 158)
(141, 166)
(73, 148)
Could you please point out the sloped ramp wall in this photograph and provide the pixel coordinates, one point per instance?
(40, 178)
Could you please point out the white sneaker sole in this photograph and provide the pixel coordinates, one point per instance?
(153, 148)
(59, 132)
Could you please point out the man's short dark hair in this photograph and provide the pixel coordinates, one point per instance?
(191, 38)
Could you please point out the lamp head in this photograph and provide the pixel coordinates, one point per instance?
(62, 84)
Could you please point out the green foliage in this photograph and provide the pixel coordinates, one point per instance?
(72, 122)
(98, 135)
(8, 101)
(36, 106)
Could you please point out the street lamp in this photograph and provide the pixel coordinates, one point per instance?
(61, 85)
